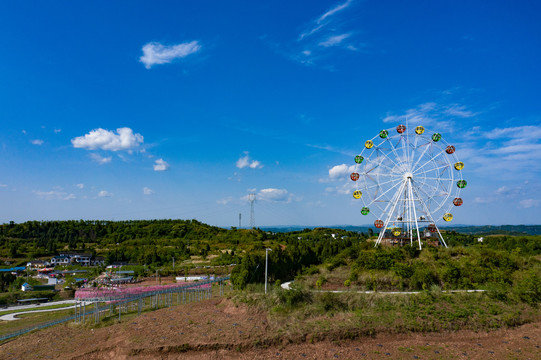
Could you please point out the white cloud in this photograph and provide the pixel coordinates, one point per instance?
(56, 131)
(482, 200)
(101, 159)
(103, 139)
(37, 142)
(105, 193)
(3, 185)
(255, 164)
(148, 191)
(340, 171)
(442, 117)
(54, 195)
(320, 21)
(224, 201)
(529, 203)
(334, 40)
(275, 195)
(459, 111)
(509, 149)
(155, 53)
(80, 186)
(323, 36)
(160, 165)
(246, 161)
(522, 133)
(334, 11)
(235, 177)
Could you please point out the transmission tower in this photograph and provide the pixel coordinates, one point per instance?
(251, 199)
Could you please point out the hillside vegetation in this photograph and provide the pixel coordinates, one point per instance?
(320, 256)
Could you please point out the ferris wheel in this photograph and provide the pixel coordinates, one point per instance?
(407, 179)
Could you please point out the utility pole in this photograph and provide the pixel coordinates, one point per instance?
(251, 199)
(266, 266)
(240, 217)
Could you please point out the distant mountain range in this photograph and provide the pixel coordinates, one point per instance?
(464, 229)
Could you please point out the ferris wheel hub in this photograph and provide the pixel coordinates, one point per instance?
(408, 175)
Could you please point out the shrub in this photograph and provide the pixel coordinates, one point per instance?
(422, 278)
(311, 270)
(320, 282)
(336, 262)
(294, 297)
(331, 302)
(527, 287)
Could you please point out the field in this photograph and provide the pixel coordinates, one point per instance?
(227, 329)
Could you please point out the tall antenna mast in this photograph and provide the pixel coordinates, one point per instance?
(251, 199)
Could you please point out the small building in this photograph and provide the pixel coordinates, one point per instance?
(27, 287)
(60, 260)
(37, 264)
(97, 261)
(75, 258)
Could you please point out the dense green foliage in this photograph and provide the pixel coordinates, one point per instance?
(499, 262)
(294, 252)
(138, 242)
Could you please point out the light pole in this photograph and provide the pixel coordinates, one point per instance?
(266, 266)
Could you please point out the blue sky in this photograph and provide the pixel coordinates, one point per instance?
(180, 109)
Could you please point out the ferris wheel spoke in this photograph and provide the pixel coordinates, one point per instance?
(416, 173)
(378, 184)
(423, 204)
(433, 188)
(437, 201)
(392, 203)
(405, 152)
(393, 149)
(413, 150)
(427, 146)
(378, 163)
(434, 178)
(383, 194)
(388, 158)
(429, 161)
(381, 152)
(397, 177)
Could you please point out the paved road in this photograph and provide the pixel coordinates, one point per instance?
(33, 306)
(287, 286)
(12, 316)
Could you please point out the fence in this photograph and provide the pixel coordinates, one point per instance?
(123, 301)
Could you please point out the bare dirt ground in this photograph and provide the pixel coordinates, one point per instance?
(217, 329)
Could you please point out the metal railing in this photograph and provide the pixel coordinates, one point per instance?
(156, 299)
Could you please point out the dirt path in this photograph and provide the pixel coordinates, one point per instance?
(217, 329)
